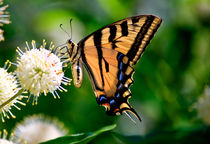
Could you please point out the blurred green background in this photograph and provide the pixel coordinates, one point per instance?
(169, 78)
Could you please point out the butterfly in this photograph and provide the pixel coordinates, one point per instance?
(109, 55)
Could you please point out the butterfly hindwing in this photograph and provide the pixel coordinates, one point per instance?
(111, 87)
(109, 55)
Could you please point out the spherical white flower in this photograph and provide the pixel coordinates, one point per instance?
(38, 128)
(4, 18)
(203, 106)
(9, 95)
(40, 71)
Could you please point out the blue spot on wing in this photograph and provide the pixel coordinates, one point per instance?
(118, 96)
(112, 102)
(121, 65)
(120, 76)
(120, 86)
(120, 56)
(102, 99)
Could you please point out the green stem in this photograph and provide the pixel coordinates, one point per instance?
(11, 99)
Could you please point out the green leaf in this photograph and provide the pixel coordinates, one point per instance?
(80, 138)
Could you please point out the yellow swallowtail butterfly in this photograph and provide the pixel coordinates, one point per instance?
(109, 55)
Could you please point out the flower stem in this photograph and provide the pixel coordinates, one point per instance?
(11, 99)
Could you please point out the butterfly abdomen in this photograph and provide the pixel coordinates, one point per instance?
(76, 65)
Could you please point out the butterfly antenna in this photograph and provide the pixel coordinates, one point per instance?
(71, 27)
(61, 26)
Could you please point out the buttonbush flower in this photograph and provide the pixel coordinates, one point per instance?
(4, 138)
(203, 106)
(4, 18)
(39, 70)
(10, 93)
(38, 128)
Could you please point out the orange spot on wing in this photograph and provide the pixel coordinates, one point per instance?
(116, 110)
(105, 104)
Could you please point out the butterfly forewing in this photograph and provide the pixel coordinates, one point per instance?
(109, 55)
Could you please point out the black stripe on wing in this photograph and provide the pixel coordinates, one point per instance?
(97, 43)
(138, 40)
(89, 69)
(140, 36)
(113, 31)
(124, 28)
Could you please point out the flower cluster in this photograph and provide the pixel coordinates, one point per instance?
(34, 129)
(4, 18)
(4, 138)
(39, 70)
(37, 129)
(8, 89)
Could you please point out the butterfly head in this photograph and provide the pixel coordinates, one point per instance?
(69, 43)
(72, 50)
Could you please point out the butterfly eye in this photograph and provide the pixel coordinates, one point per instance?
(70, 44)
(69, 41)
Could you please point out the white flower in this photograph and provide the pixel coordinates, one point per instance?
(40, 71)
(4, 141)
(38, 128)
(4, 18)
(203, 106)
(8, 89)
(4, 138)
